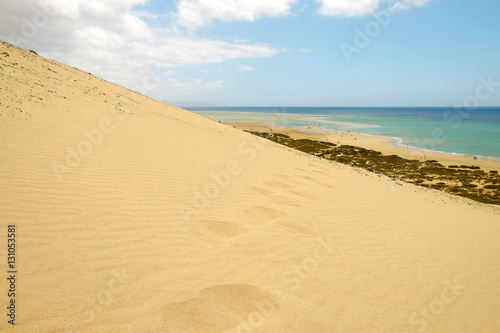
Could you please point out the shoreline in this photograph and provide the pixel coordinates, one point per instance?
(478, 157)
(343, 126)
(383, 144)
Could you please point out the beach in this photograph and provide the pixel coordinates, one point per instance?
(133, 215)
(382, 144)
(453, 131)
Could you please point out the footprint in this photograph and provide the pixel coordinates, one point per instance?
(315, 180)
(221, 308)
(280, 195)
(283, 177)
(285, 200)
(218, 233)
(265, 213)
(261, 191)
(301, 194)
(297, 227)
(279, 185)
(320, 172)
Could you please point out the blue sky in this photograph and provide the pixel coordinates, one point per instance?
(279, 53)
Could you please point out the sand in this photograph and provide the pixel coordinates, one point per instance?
(133, 215)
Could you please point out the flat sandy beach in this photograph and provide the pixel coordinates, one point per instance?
(132, 215)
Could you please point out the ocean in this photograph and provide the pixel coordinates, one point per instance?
(449, 130)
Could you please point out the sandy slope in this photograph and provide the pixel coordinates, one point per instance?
(136, 216)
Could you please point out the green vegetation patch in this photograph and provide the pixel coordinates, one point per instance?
(466, 180)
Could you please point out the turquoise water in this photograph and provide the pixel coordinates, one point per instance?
(454, 131)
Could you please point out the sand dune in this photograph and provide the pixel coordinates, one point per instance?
(133, 215)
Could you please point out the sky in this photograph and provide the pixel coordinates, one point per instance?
(274, 52)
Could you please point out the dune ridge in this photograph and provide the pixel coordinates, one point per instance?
(133, 215)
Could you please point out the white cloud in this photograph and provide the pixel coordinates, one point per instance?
(303, 8)
(305, 50)
(109, 39)
(408, 4)
(188, 84)
(348, 8)
(211, 69)
(194, 14)
(243, 68)
(359, 8)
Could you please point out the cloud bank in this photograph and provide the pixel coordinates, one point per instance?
(359, 8)
(118, 39)
(110, 39)
(348, 8)
(194, 14)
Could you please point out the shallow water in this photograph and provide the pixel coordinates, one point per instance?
(449, 130)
